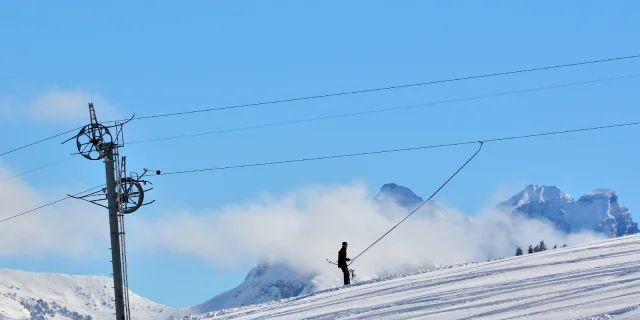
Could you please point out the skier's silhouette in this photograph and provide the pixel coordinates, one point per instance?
(342, 263)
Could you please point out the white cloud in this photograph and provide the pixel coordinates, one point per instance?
(301, 228)
(69, 228)
(70, 106)
(305, 227)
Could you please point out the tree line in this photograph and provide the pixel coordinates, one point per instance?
(539, 247)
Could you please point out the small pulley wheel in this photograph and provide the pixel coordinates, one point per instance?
(130, 197)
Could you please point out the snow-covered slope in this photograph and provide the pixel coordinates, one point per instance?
(269, 282)
(593, 281)
(31, 295)
(598, 210)
(264, 282)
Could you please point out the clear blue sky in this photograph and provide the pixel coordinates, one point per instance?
(162, 57)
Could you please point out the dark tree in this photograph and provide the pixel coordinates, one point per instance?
(543, 246)
(564, 245)
(518, 251)
(530, 249)
(555, 246)
(536, 248)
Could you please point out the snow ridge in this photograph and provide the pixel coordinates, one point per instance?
(34, 295)
(265, 282)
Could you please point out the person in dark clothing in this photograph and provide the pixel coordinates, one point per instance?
(342, 263)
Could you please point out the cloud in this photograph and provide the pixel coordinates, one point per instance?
(301, 228)
(70, 106)
(307, 226)
(69, 228)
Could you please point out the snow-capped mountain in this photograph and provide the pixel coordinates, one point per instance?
(265, 282)
(34, 295)
(549, 203)
(598, 210)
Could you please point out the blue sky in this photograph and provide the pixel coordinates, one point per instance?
(147, 59)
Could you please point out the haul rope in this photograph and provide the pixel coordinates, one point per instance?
(416, 209)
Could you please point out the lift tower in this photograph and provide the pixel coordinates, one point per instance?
(124, 194)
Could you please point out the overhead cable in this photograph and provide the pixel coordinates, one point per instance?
(347, 93)
(37, 142)
(495, 74)
(359, 154)
(421, 204)
(50, 203)
(401, 149)
(344, 115)
(36, 169)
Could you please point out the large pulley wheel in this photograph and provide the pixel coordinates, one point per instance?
(130, 197)
(92, 141)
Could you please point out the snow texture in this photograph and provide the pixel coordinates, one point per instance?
(31, 295)
(593, 281)
(265, 282)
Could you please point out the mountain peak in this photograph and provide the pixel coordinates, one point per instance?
(403, 196)
(546, 193)
(602, 193)
(538, 194)
(597, 210)
(265, 282)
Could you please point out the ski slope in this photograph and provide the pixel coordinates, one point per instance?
(593, 281)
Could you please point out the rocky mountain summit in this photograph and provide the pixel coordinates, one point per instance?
(597, 210)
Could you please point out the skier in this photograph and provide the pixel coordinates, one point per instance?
(342, 263)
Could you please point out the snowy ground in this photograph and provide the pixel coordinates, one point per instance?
(593, 281)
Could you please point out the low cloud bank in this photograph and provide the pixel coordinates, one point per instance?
(301, 228)
(307, 226)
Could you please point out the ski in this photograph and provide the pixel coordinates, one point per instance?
(353, 272)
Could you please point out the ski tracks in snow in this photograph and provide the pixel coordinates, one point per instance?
(593, 281)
